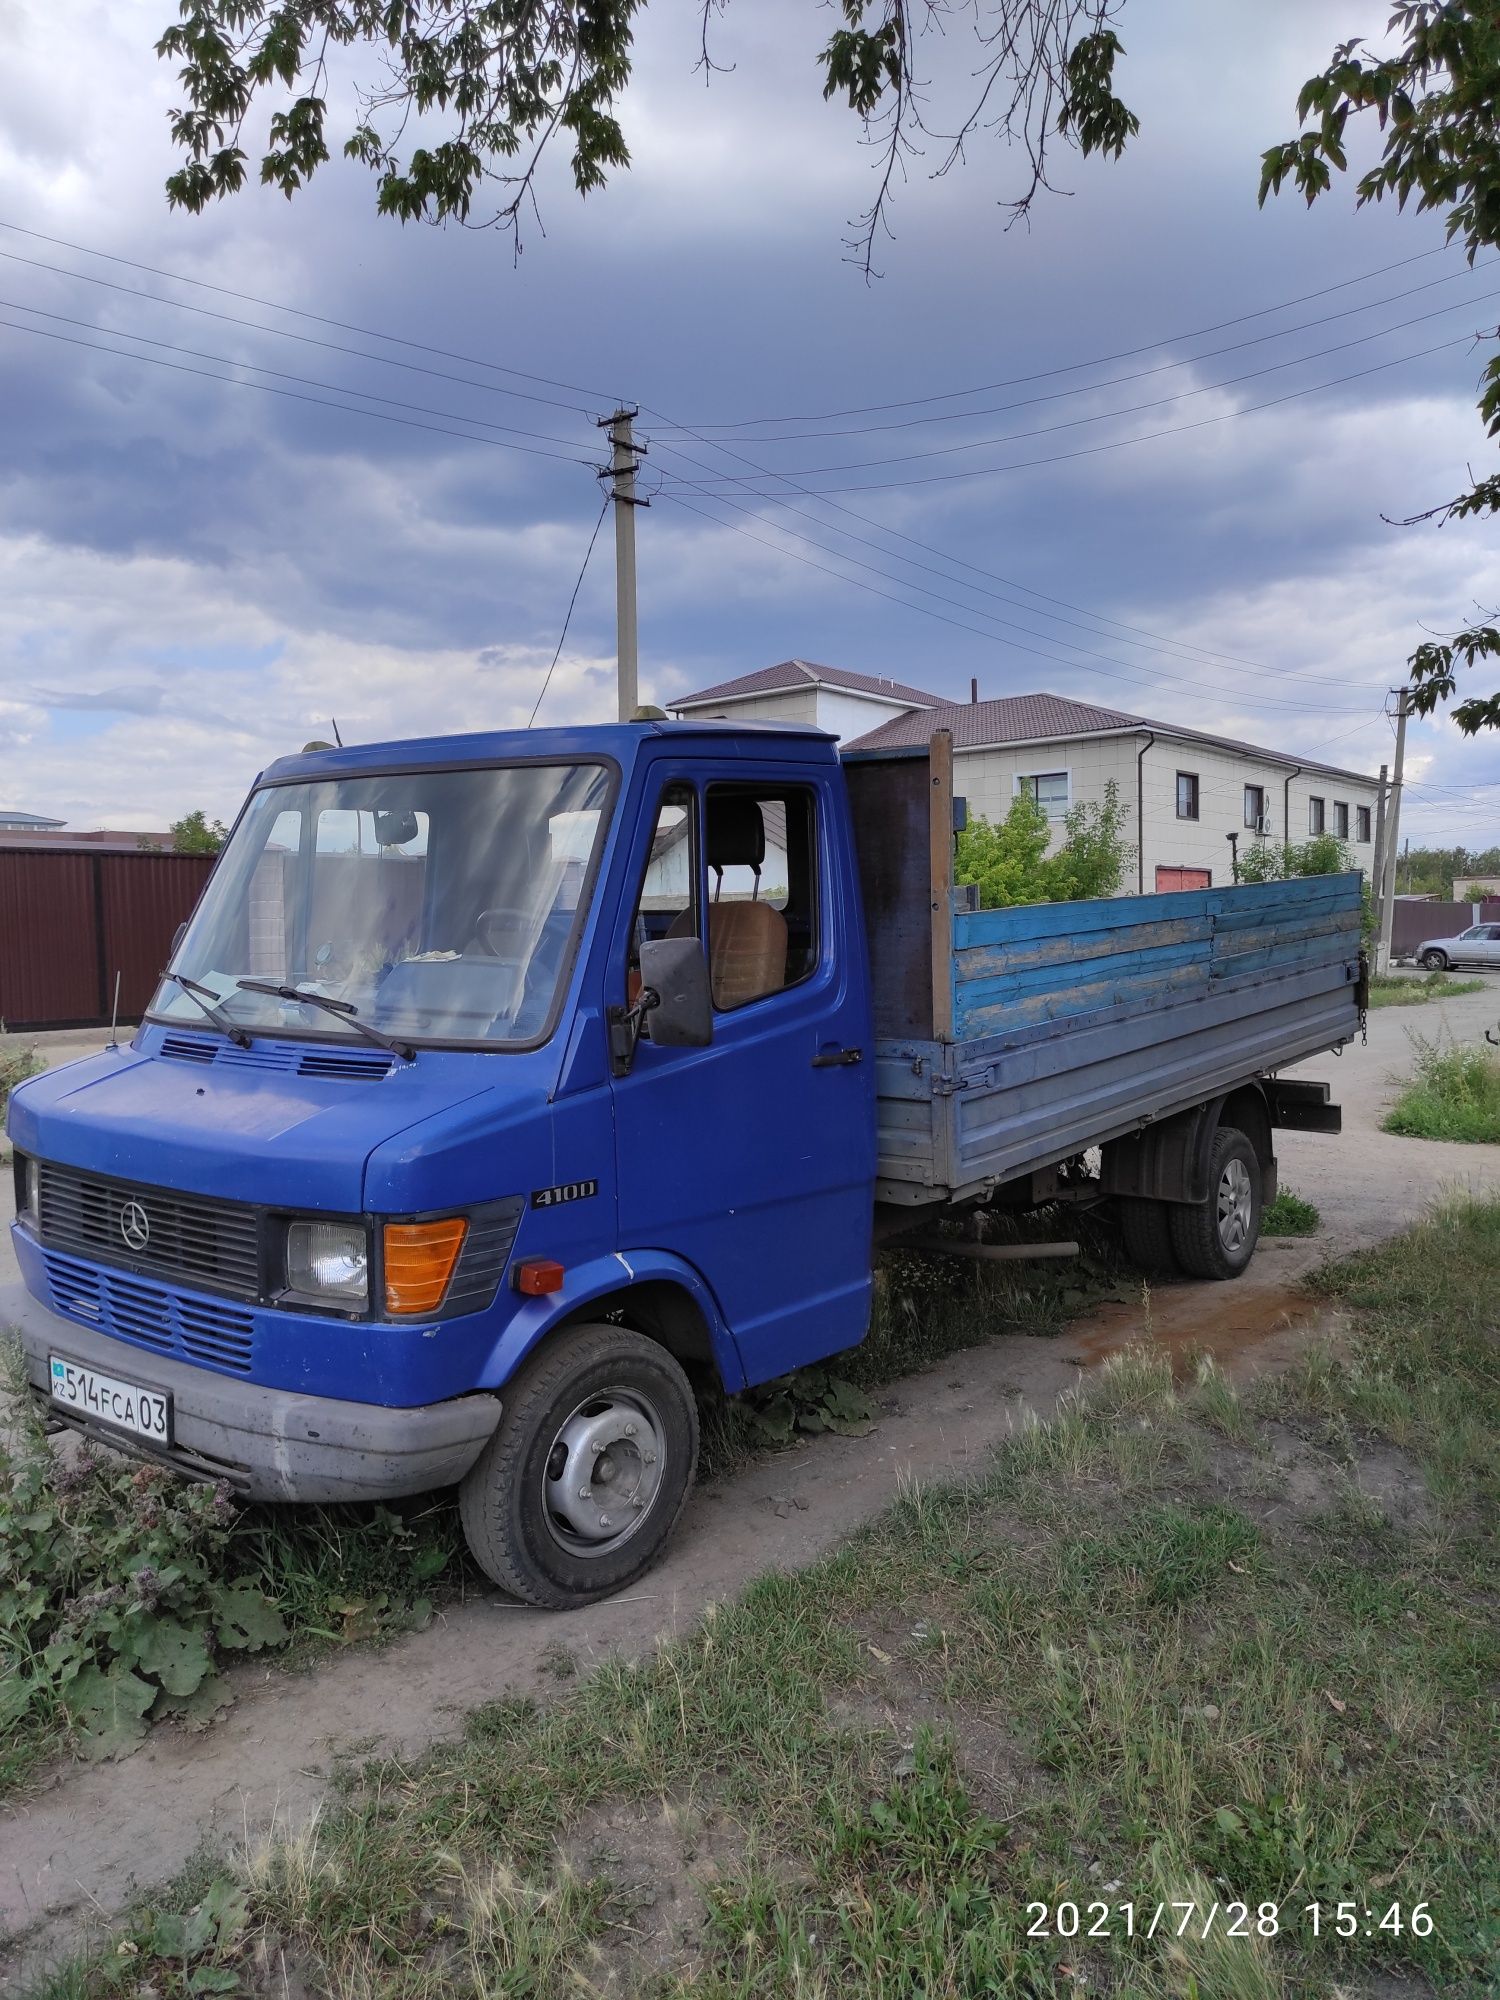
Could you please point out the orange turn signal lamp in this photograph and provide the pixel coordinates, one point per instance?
(420, 1258)
(538, 1276)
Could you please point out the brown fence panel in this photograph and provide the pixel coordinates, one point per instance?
(143, 898)
(1413, 923)
(70, 920)
(49, 946)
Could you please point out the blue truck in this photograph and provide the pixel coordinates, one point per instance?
(506, 1094)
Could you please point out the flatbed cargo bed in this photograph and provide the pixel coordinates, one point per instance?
(1008, 1041)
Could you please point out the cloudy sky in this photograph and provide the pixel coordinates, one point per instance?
(196, 574)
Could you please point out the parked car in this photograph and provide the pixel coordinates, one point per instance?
(1478, 945)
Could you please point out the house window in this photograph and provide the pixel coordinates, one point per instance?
(1050, 789)
(1362, 823)
(1255, 807)
(1187, 794)
(1315, 815)
(1341, 819)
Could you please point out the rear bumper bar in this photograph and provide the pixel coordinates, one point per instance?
(270, 1444)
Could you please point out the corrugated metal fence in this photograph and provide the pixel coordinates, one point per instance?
(1413, 923)
(70, 919)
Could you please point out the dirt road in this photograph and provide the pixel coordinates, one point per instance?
(76, 1850)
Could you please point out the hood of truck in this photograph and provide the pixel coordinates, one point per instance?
(243, 1130)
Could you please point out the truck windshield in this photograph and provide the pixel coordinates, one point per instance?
(440, 906)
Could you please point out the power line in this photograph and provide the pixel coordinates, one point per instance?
(1070, 368)
(1117, 673)
(1130, 409)
(568, 617)
(1145, 437)
(292, 395)
(978, 589)
(283, 332)
(318, 319)
(258, 368)
(1138, 374)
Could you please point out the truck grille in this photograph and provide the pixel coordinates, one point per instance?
(212, 1245)
(147, 1315)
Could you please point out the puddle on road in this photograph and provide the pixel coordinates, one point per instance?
(1188, 1320)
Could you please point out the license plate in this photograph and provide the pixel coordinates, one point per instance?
(144, 1412)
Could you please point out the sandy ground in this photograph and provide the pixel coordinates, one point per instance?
(76, 1851)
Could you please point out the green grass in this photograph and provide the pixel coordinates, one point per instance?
(1289, 1215)
(1453, 1092)
(1130, 1660)
(1397, 992)
(16, 1064)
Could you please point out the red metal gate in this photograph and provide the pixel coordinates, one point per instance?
(72, 917)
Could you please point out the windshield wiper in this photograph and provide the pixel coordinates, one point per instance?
(207, 999)
(344, 1008)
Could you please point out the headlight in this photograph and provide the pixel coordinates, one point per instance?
(31, 1193)
(328, 1260)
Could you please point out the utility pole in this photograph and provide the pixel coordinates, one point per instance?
(1392, 833)
(1377, 871)
(623, 465)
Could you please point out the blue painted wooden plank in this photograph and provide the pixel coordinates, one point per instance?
(1270, 959)
(985, 961)
(1030, 921)
(1028, 981)
(1143, 991)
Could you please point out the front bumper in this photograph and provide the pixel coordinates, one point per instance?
(270, 1444)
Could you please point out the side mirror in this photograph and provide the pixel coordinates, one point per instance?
(394, 829)
(675, 970)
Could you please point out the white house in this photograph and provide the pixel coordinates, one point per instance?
(1185, 791)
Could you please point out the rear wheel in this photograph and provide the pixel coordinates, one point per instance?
(578, 1491)
(1435, 961)
(1217, 1238)
(1147, 1232)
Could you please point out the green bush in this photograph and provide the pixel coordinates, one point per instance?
(1452, 1093)
(125, 1590)
(1009, 864)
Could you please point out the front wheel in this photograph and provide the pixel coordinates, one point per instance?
(1217, 1238)
(578, 1491)
(1435, 961)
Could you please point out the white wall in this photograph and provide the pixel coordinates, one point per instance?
(986, 778)
(844, 715)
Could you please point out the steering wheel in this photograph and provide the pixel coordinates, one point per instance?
(491, 925)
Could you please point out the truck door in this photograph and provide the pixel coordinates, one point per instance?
(754, 1158)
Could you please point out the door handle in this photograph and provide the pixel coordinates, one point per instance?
(836, 1058)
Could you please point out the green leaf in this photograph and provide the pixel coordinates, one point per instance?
(214, 1979)
(203, 1706)
(110, 1709)
(175, 1653)
(247, 1620)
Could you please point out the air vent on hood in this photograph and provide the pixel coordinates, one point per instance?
(189, 1048)
(351, 1068)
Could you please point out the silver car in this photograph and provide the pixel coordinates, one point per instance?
(1478, 945)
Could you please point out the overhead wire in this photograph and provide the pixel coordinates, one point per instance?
(1073, 367)
(299, 312)
(568, 616)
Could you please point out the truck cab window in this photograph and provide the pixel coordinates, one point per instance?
(668, 903)
(759, 846)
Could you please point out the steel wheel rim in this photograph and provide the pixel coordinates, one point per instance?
(603, 1472)
(1234, 1206)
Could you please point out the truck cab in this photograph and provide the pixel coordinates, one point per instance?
(407, 1178)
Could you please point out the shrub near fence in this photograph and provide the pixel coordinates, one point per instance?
(72, 918)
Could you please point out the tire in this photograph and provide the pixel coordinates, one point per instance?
(1435, 961)
(1217, 1238)
(1146, 1229)
(597, 1395)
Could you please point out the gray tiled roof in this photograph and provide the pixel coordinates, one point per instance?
(806, 673)
(1050, 718)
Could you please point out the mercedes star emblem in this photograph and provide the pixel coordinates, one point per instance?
(135, 1225)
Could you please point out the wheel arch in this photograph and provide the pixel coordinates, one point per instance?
(1168, 1159)
(657, 1294)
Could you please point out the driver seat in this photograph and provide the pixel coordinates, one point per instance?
(747, 942)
